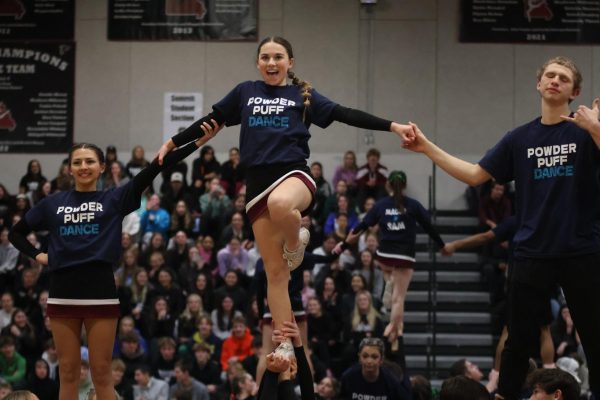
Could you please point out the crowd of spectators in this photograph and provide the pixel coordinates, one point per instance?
(190, 323)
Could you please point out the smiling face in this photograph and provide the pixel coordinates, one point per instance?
(86, 167)
(273, 63)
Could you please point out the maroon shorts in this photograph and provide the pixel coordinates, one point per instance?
(262, 181)
(395, 262)
(78, 311)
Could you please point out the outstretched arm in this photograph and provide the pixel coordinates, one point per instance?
(469, 242)
(142, 180)
(469, 173)
(364, 120)
(213, 122)
(587, 118)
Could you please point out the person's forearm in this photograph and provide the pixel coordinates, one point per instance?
(473, 241)
(595, 133)
(464, 171)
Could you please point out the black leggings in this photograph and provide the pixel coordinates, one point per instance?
(531, 284)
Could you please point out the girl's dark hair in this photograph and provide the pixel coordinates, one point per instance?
(90, 146)
(397, 182)
(221, 313)
(304, 85)
(30, 163)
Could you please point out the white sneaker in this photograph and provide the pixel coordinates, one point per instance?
(294, 258)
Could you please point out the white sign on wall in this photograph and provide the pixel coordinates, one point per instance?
(181, 109)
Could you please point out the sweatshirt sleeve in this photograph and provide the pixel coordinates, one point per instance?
(18, 237)
(360, 119)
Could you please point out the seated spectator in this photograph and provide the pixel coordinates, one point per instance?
(188, 321)
(27, 289)
(137, 162)
(205, 336)
(207, 251)
(148, 387)
(183, 220)
(176, 191)
(421, 388)
(494, 206)
(369, 379)
(203, 288)
(33, 179)
(40, 383)
(63, 180)
(308, 290)
(177, 251)
(205, 167)
(127, 326)
(22, 205)
(222, 317)
(163, 367)
(13, 366)
(233, 289)
(85, 380)
(111, 156)
(328, 388)
(127, 267)
(133, 355)
(239, 230)
(244, 387)
(250, 363)
(343, 207)
(347, 172)
(116, 176)
(181, 167)
(553, 384)
(204, 369)
(157, 243)
(7, 308)
(364, 322)
(468, 369)
(167, 287)
(324, 250)
(158, 320)
(124, 389)
(155, 219)
(187, 383)
(238, 346)
(51, 357)
(24, 335)
(371, 178)
(372, 274)
(9, 256)
(215, 206)
(232, 173)
(225, 390)
(323, 191)
(564, 334)
(140, 288)
(5, 390)
(233, 257)
(321, 330)
(463, 388)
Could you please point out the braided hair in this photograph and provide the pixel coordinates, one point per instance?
(397, 183)
(305, 87)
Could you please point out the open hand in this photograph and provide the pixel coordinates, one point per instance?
(585, 118)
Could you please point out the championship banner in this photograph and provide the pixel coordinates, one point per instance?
(37, 19)
(530, 21)
(36, 97)
(182, 20)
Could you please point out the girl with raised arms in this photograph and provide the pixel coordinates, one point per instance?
(84, 228)
(275, 118)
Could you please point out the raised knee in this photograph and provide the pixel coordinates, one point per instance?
(279, 206)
